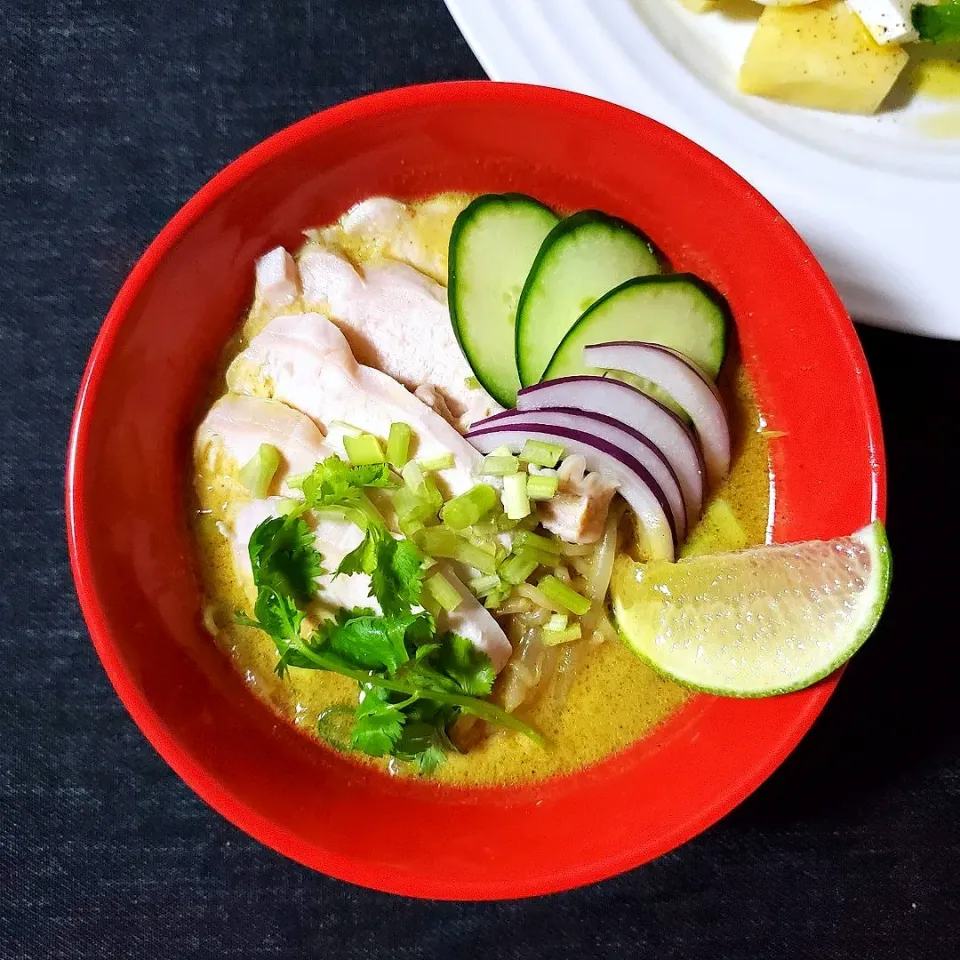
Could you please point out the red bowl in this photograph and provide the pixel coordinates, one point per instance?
(130, 545)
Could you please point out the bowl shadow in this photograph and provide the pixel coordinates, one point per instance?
(893, 715)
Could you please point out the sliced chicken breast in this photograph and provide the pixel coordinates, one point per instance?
(237, 425)
(278, 280)
(305, 361)
(396, 319)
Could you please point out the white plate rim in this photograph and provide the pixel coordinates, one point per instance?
(883, 235)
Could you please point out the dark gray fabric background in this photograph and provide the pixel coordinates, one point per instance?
(112, 113)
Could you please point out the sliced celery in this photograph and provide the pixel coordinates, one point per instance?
(444, 592)
(553, 637)
(502, 451)
(469, 507)
(258, 473)
(444, 462)
(516, 503)
(542, 488)
(398, 444)
(519, 567)
(484, 585)
(363, 450)
(347, 429)
(558, 621)
(499, 466)
(541, 453)
(440, 542)
(563, 596)
(412, 475)
(410, 526)
(526, 538)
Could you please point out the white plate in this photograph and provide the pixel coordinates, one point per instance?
(876, 199)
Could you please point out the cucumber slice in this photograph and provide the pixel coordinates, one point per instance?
(581, 259)
(494, 241)
(678, 311)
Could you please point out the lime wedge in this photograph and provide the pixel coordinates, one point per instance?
(762, 621)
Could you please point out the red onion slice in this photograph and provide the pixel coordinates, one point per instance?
(615, 432)
(634, 409)
(685, 382)
(636, 486)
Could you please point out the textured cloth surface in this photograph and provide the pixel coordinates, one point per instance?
(112, 113)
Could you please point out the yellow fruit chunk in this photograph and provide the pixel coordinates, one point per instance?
(819, 55)
(698, 6)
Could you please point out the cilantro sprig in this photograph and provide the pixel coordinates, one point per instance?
(413, 682)
(938, 24)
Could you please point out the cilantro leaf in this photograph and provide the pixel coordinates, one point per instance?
(378, 724)
(335, 483)
(283, 558)
(422, 743)
(938, 24)
(463, 663)
(369, 641)
(398, 578)
(395, 568)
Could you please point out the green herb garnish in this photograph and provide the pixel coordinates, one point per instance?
(413, 681)
(938, 24)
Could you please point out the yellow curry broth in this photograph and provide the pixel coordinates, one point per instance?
(614, 698)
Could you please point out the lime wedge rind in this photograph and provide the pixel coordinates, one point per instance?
(837, 650)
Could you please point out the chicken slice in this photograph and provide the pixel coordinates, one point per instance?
(278, 280)
(397, 320)
(417, 234)
(578, 512)
(305, 361)
(237, 425)
(335, 539)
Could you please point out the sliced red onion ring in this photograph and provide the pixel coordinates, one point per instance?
(636, 486)
(685, 382)
(615, 432)
(614, 398)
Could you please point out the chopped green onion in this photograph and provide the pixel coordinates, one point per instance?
(484, 585)
(469, 507)
(258, 473)
(558, 621)
(398, 444)
(499, 466)
(525, 538)
(553, 637)
(440, 542)
(541, 453)
(515, 500)
(347, 429)
(444, 592)
(363, 450)
(502, 451)
(444, 462)
(563, 596)
(472, 383)
(542, 488)
(519, 567)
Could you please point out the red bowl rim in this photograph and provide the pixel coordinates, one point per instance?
(209, 788)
